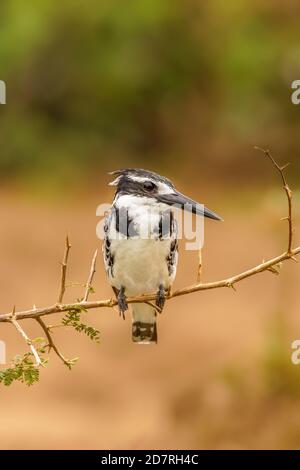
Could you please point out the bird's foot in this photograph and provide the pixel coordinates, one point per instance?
(160, 297)
(122, 304)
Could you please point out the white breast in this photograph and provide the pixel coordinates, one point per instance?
(140, 265)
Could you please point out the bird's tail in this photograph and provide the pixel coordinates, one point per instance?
(143, 324)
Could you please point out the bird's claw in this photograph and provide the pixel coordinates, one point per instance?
(160, 297)
(122, 303)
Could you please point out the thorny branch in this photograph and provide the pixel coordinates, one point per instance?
(51, 344)
(64, 271)
(288, 192)
(273, 265)
(25, 337)
(91, 276)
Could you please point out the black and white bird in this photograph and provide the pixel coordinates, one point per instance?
(140, 243)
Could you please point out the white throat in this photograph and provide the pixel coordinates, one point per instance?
(144, 212)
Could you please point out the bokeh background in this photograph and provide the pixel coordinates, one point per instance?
(185, 88)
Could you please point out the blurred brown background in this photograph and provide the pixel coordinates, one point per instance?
(185, 89)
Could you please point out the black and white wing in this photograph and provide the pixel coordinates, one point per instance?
(172, 257)
(107, 253)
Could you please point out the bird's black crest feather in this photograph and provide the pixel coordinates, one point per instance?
(127, 172)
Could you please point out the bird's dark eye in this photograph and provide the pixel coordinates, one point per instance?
(149, 186)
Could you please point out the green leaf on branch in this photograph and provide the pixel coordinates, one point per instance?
(23, 369)
(73, 318)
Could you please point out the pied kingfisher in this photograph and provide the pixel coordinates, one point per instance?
(140, 243)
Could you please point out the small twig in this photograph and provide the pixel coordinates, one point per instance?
(91, 276)
(25, 337)
(51, 343)
(288, 192)
(64, 271)
(199, 273)
(57, 325)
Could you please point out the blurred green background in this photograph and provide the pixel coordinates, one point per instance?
(185, 88)
(192, 85)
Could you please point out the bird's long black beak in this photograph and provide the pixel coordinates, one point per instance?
(183, 202)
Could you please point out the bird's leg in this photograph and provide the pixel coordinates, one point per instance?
(123, 306)
(116, 291)
(160, 297)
